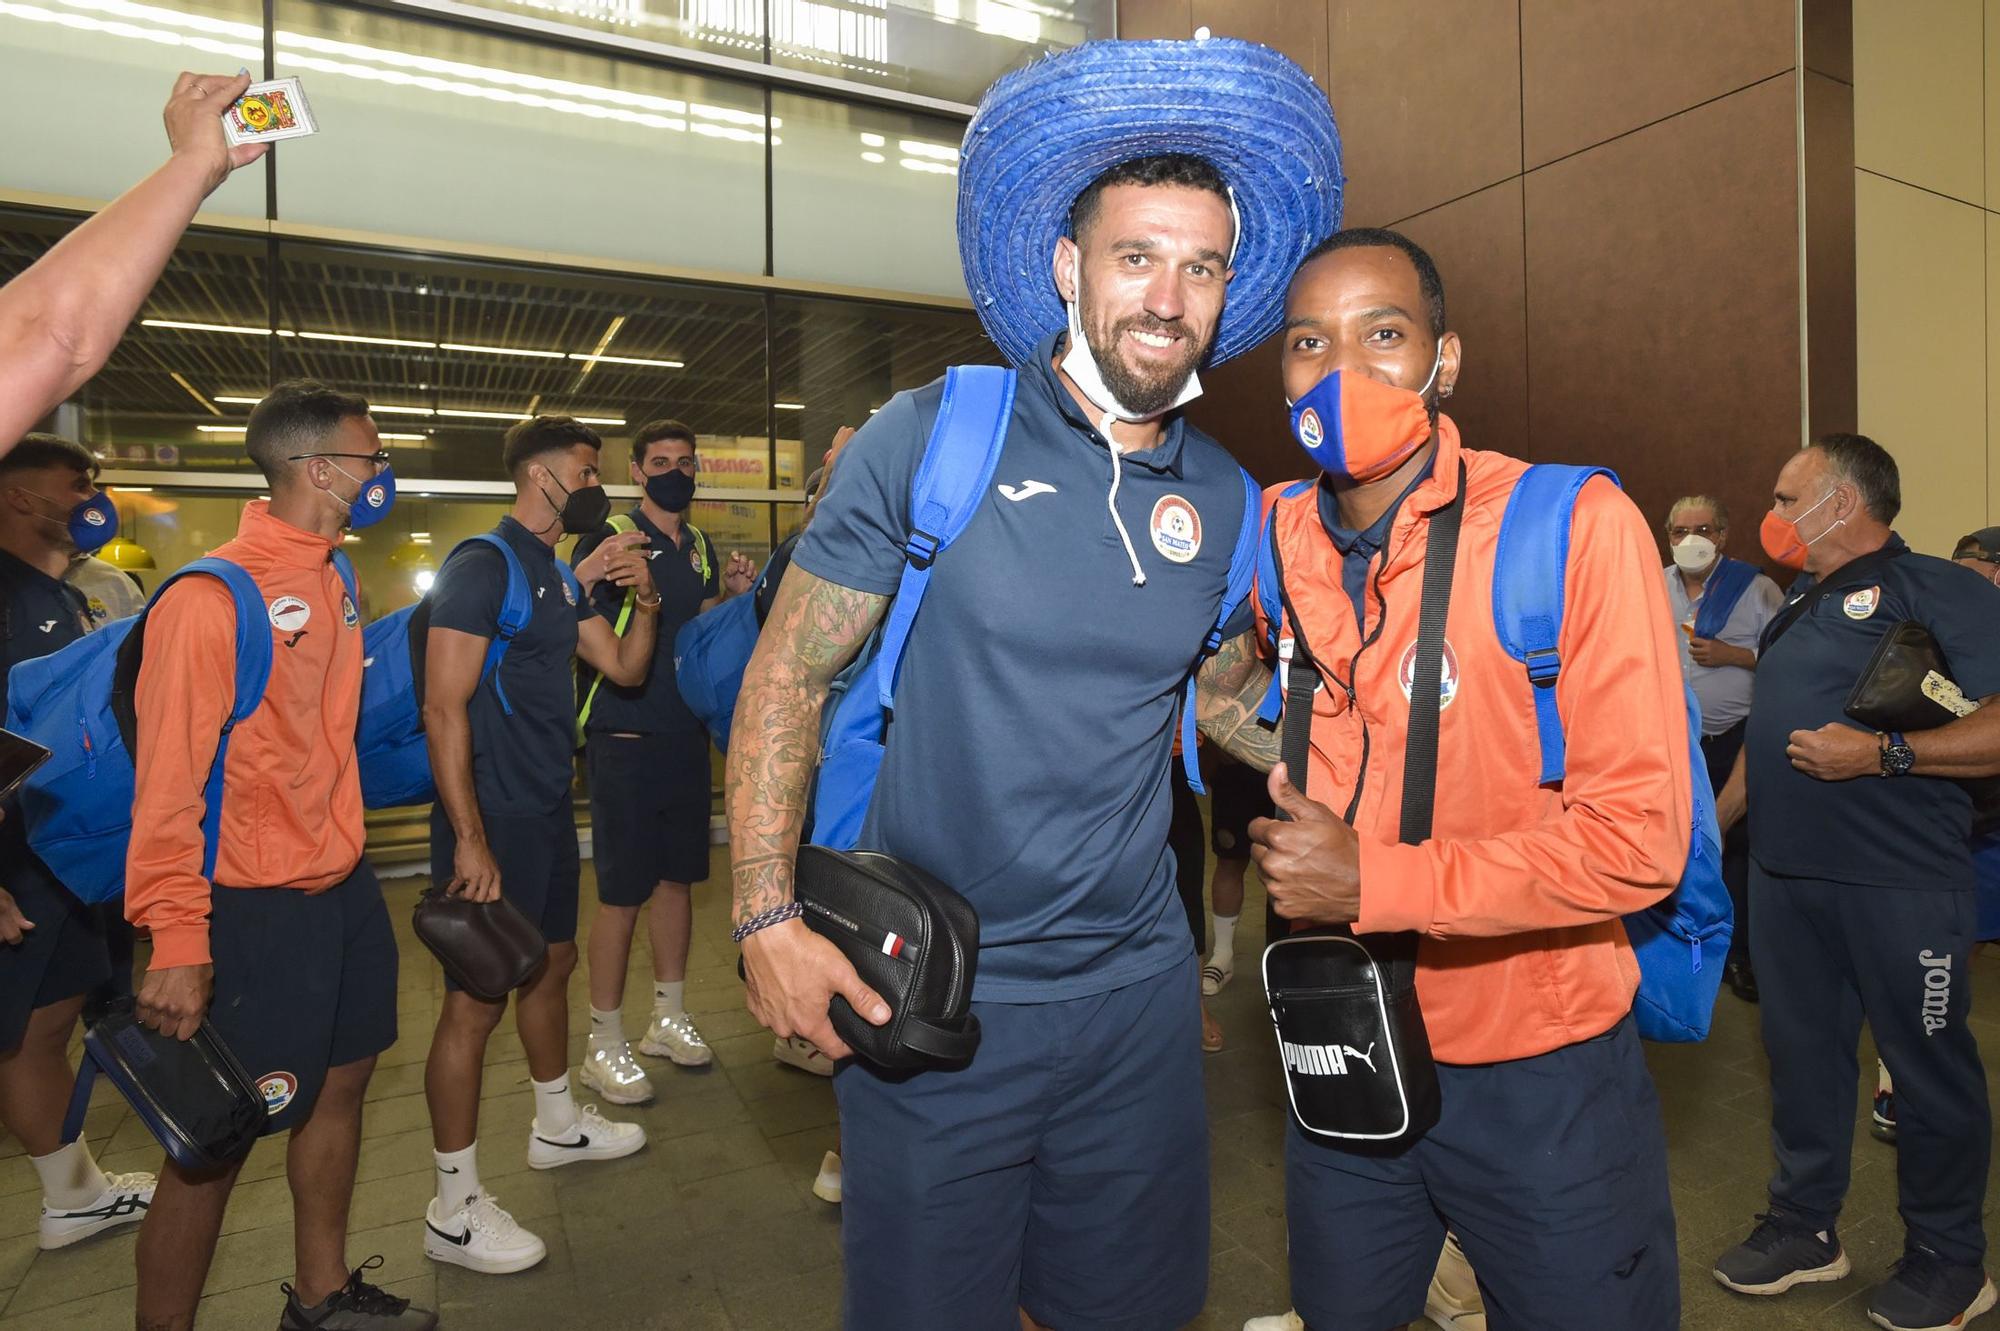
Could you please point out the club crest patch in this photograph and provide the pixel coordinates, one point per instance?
(1176, 529)
(289, 614)
(1311, 432)
(278, 1090)
(348, 614)
(1861, 604)
(569, 592)
(94, 517)
(1406, 674)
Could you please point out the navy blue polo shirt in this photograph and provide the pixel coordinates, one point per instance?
(1027, 762)
(1899, 832)
(685, 573)
(521, 764)
(38, 615)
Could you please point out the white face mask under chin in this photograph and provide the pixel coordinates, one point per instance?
(1083, 371)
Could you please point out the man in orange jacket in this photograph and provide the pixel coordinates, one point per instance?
(1549, 1159)
(288, 951)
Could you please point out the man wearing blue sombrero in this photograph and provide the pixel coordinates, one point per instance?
(1128, 213)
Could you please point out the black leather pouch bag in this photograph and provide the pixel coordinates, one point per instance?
(912, 940)
(1907, 687)
(488, 948)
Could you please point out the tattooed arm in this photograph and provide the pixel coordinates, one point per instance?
(815, 628)
(1228, 691)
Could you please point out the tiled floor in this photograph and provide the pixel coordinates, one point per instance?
(714, 1226)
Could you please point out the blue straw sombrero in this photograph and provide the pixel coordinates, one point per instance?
(1043, 133)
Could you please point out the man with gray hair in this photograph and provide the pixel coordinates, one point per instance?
(1722, 606)
(1862, 875)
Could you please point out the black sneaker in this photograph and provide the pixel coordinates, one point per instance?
(355, 1306)
(1741, 979)
(1780, 1253)
(1927, 1293)
(1882, 1121)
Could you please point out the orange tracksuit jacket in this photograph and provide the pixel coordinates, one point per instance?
(291, 813)
(1519, 892)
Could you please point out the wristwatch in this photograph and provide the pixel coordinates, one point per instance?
(1897, 757)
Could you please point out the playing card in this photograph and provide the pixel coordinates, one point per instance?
(268, 112)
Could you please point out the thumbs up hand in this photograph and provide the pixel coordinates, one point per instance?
(1308, 858)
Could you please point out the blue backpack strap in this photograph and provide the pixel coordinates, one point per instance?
(1726, 585)
(1242, 573)
(1271, 602)
(958, 463)
(345, 568)
(253, 674)
(516, 608)
(1530, 567)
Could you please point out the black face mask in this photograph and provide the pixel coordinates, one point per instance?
(583, 509)
(671, 490)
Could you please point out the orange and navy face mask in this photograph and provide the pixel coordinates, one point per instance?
(1360, 429)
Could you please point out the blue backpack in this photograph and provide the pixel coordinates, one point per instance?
(710, 653)
(78, 704)
(956, 471)
(1682, 941)
(389, 738)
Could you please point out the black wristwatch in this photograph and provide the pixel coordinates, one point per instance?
(1897, 757)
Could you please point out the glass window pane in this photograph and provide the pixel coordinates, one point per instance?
(952, 49)
(82, 83)
(453, 352)
(436, 131)
(846, 178)
(839, 361)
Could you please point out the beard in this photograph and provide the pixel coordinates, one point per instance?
(1148, 391)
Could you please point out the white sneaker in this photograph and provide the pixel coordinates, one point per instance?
(613, 1073)
(124, 1203)
(798, 1052)
(481, 1237)
(827, 1186)
(674, 1037)
(1453, 1302)
(1213, 978)
(1284, 1321)
(594, 1137)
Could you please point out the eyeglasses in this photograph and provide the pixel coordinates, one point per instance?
(1682, 533)
(380, 457)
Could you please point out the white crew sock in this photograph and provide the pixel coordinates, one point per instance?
(71, 1179)
(1225, 942)
(607, 1029)
(457, 1176)
(555, 1107)
(669, 998)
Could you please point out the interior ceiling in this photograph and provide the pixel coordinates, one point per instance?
(836, 359)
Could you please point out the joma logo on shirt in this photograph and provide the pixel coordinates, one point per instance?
(1937, 990)
(1325, 1060)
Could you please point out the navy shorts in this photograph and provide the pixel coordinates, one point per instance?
(1064, 1171)
(540, 870)
(64, 955)
(304, 981)
(1237, 794)
(649, 808)
(1551, 1170)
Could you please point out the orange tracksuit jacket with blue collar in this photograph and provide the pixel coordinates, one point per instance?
(291, 785)
(1519, 892)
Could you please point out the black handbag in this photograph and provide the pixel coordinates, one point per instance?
(192, 1094)
(912, 940)
(488, 948)
(1351, 1039)
(1907, 687)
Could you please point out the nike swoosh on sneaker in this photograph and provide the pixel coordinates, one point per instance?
(1026, 490)
(582, 1140)
(458, 1239)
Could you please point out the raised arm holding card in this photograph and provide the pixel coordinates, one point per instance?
(61, 319)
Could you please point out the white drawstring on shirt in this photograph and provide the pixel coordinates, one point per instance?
(1117, 470)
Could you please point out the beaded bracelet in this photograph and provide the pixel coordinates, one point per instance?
(791, 910)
